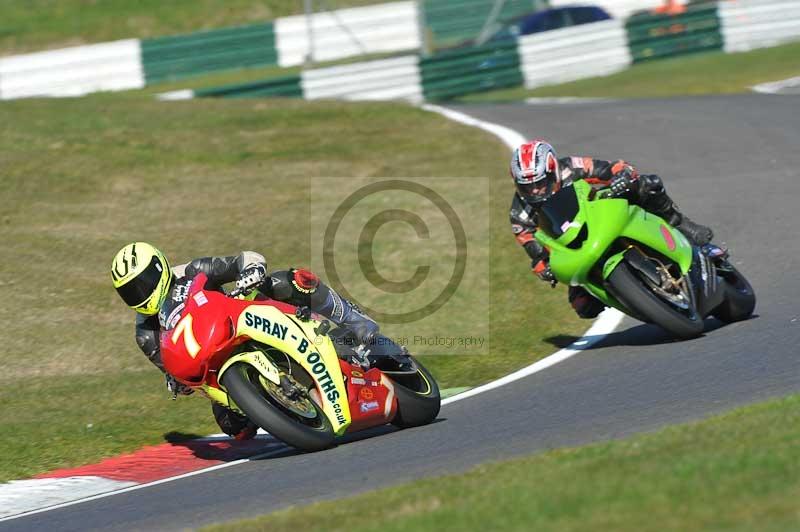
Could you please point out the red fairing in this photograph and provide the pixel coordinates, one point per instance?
(371, 403)
(204, 335)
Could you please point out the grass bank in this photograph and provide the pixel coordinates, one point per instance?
(738, 471)
(706, 73)
(81, 177)
(35, 25)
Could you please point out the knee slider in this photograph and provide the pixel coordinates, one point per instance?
(304, 281)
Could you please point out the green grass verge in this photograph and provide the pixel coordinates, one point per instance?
(33, 25)
(62, 422)
(706, 73)
(738, 471)
(81, 177)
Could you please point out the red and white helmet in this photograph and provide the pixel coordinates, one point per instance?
(536, 172)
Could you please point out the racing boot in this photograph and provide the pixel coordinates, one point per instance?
(233, 424)
(699, 235)
(654, 198)
(346, 314)
(586, 306)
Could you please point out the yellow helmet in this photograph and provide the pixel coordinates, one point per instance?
(142, 277)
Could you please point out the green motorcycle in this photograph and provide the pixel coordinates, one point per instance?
(636, 262)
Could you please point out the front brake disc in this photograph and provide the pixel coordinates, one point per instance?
(299, 404)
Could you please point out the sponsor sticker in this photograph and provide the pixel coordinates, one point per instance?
(275, 329)
(566, 225)
(359, 381)
(181, 291)
(668, 238)
(200, 298)
(326, 383)
(303, 289)
(368, 407)
(366, 394)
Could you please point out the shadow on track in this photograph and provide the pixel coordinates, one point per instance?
(223, 448)
(368, 434)
(226, 449)
(642, 334)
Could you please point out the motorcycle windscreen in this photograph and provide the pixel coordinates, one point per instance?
(558, 212)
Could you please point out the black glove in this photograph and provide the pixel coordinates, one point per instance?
(251, 277)
(541, 268)
(622, 182)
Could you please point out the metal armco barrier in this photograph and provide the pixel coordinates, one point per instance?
(72, 71)
(568, 54)
(383, 28)
(288, 86)
(208, 51)
(471, 70)
(660, 36)
(387, 79)
(751, 24)
(539, 59)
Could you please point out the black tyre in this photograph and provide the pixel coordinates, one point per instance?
(242, 382)
(418, 399)
(633, 293)
(740, 300)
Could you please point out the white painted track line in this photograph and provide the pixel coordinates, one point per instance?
(777, 87)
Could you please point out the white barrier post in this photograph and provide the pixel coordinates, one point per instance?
(309, 60)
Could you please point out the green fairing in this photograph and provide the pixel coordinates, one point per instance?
(608, 220)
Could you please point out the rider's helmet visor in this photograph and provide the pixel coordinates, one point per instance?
(540, 190)
(138, 290)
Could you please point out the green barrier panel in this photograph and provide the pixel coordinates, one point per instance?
(660, 36)
(458, 72)
(453, 21)
(181, 56)
(288, 86)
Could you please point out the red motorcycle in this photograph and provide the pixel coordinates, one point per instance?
(290, 372)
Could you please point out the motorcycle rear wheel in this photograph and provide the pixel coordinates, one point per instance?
(740, 300)
(633, 293)
(418, 398)
(242, 383)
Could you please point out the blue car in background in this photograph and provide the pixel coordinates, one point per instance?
(549, 19)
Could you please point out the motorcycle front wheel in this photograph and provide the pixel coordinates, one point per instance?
(635, 295)
(304, 425)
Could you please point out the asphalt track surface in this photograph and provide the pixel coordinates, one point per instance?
(729, 161)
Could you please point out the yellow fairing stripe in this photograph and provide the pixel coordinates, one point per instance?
(258, 360)
(218, 396)
(315, 354)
